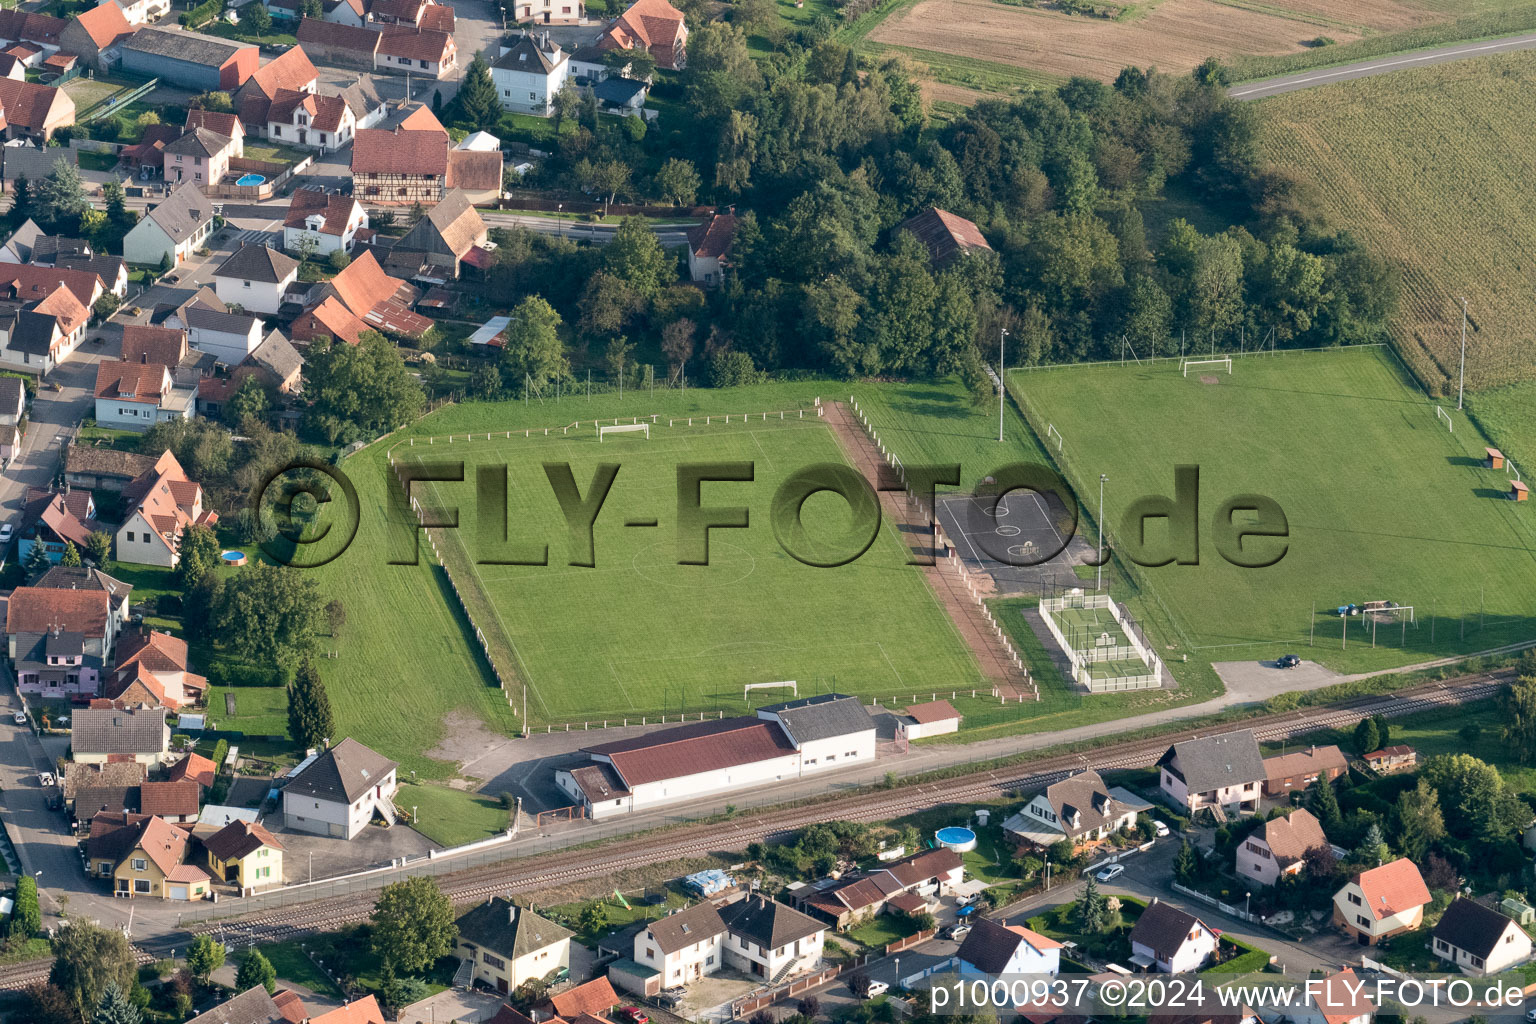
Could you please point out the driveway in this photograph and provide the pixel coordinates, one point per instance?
(310, 857)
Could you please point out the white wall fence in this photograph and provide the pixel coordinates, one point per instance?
(1083, 658)
(951, 560)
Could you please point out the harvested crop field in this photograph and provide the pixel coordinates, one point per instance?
(1175, 35)
(1430, 168)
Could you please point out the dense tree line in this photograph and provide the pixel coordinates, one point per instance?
(830, 156)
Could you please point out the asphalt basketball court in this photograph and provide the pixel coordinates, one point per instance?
(1010, 541)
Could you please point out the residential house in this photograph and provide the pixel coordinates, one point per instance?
(623, 97)
(95, 32)
(935, 718)
(289, 72)
(275, 363)
(430, 53)
(55, 665)
(371, 299)
(143, 12)
(199, 156)
(1081, 808)
(175, 317)
(107, 469)
(54, 520)
(146, 158)
(247, 854)
(174, 229)
(256, 278)
(152, 668)
(34, 161)
(1218, 773)
(102, 734)
(1284, 773)
(1382, 902)
(1171, 940)
(229, 337)
(550, 12)
(509, 945)
(367, 104)
(341, 791)
(529, 73)
(340, 43)
(784, 741)
(189, 59)
(82, 630)
(406, 164)
(946, 236)
(475, 172)
(42, 30)
(35, 283)
(1337, 999)
(175, 802)
(136, 396)
(329, 319)
(994, 948)
(682, 947)
(219, 122)
(161, 504)
(359, 1011)
(595, 997)
(654, 26)
(13, 401)
(110, 803)
(1278, 848)
(145, 343)
(78, 778)
(709, 249)
(769, 940)
(352, 13)
(319, 122)
(325, 222)
(34, 111)
(1392, 759)
(195, 767)
(255, 1006)
(18, 248)
(47, 249)
(44, 332)
(145, 857)
(119, 594)
(112, 270)
(441, 240)
(1478, 940)
(416, 13)
(927, 874)
(12, 68)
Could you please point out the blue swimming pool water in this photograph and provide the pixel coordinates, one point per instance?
(251, 179)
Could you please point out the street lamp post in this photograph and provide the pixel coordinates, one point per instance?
(1247, 899)
(560, 216)
(1001, 387)
(1462, 377)
(1099, 569)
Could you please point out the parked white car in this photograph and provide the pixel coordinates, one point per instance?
(6, 533)
(1110, 873)
(1161, 828)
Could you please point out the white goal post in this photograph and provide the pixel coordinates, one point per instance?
(1224, 361)
(746, 692)
(1441, 414)
(624, 428)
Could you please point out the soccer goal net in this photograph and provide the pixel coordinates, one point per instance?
(1441, 414)
(782, 684)
(624, 428)
(1225, 361)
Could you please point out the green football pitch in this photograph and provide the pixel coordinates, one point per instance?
(1384, 501)
(639, 634)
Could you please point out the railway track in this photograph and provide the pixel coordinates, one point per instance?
(546, 870)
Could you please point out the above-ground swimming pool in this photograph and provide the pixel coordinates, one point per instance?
(233, 557)
(251, 179)
(961, 840)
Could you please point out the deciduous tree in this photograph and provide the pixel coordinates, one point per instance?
(413, 924)
(534, 354)
(268, 614)
(204, 956)
(86, 959)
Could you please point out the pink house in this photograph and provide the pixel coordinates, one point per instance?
(1278, 848)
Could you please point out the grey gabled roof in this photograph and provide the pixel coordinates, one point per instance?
(618, 90)
(183, 211)
(198, 141)
(1470, 926)
(258, 263)
(12, 392)
(212, 320)
(686, 927)
(253, 1006)
(821, 717)
(509, 930)
(525, 55)
(118, 731)
(1163, 928)
(989, 946)
(1212, 762)
(769, 923)
(24, 238)
(277, 354)
(190, 47)
(343, 773)
(34, 332)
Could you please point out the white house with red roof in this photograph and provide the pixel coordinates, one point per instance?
(709, 249)
(934, 718)
(329, 222)
(1337, 999)
(152, 669)
(136, 396)
(654, 26)
(1382, 902)
(163, 503)
(319, 122)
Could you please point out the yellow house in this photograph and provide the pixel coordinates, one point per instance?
(247, 854)
(144, 857)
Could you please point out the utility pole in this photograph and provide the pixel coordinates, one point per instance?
(1001, 386)
(1462, 381)
(1312, 625)
(1099, 569)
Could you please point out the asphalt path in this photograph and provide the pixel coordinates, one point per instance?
(1379, 66)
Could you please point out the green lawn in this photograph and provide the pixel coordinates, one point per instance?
(882, 929)
(1383, 503)
(617, 917)
(453, 817)
(294, 965)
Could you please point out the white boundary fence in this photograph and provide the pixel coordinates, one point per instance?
(1082, 659)
(951, 559)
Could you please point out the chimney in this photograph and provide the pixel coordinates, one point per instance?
(511, 913)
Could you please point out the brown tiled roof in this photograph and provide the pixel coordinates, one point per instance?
(144, 344)
(945, 234)
(239, 838)
(596, 996)
(325, 112)
(291, 69)
(105, 24)
(290, 1006)
(416, 43)
(476, 170)
(66, 310)
(133, 382)
(195, 767)
(1289, 838)
(686, 927)
(438, 17)
(713, 237)
(79, 777)
(329, 319)
(93, 461)
(1304, 762)
(1399, 750)
(172, 799)
(924, 865)
(219, 122)
(363, 285)
(421, 119)
(650, 22)
(40, 28)
(399, 151)
(359, 1011)
(28, 282)
(39, 609)
(694, 748)
(337, 210)
(933, 711)
(1393, 888)
(1342, 998)
(769, 923)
